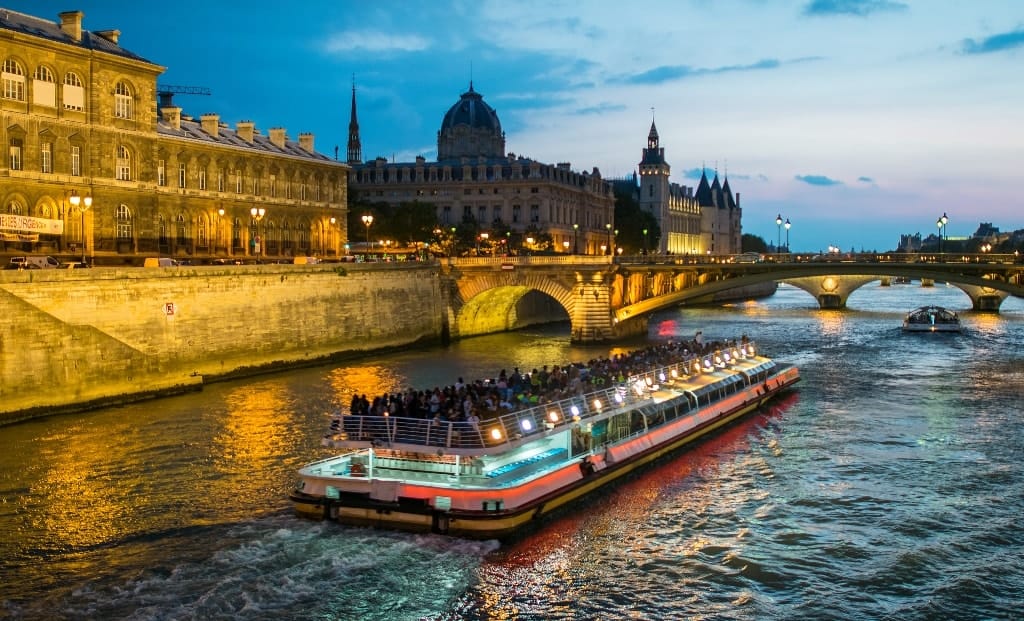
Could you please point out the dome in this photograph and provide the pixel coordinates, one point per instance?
(471, 110)
(470, 128)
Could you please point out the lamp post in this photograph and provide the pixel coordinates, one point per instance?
(575, 236)
(645, 241)
(778, 223)
(334, 239)
(608, 227)
(485, 237)
(454, 243)
(83, 205)
(368, 220)
(220, 218)
(941, 223)
(787, 225)
(257, 214)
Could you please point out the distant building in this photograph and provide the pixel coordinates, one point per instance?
(79, 114)
(474, 181)
(911, 243)
(701, 222)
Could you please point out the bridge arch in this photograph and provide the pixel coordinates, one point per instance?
(501, 302)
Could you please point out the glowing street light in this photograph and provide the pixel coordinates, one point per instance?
(778, 223)
(257, 214)
(83, 204)
(787, 225)
(608, 227)
(368, 220)
(575, 235)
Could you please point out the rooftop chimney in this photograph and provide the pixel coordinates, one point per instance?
(109, 35)
(245, 130)
(71, 24)
(172, 116)
(210, 123)
(306, 141)
(278, 137)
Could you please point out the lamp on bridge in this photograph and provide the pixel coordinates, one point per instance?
(787, 225)
(941, 223)
(608, 227)
(83, 204)
(575, 236)
(778, 240)
(645, 241)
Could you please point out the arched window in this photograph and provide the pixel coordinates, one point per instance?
(201, 235)
(123, 167)
(74, 93)
(124, 223)
(122, 101)
(44, 91)
(14, 208)
(181, 236)
(14, 80)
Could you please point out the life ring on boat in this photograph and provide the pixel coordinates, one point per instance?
(357, 470)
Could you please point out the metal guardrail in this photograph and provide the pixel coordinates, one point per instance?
(489, 433)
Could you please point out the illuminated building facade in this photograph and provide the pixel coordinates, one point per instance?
(475, 182)
(79, 117)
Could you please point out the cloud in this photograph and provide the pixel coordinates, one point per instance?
(669, 73)
(370, 41)
(601, 108)
(996, 43)
(821, 180)
(693, 173)
(858, 8)
(865, 179)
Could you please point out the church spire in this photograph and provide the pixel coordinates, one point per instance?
(355, 148)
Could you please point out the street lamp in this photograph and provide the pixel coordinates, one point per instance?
(83, 205)
(565, 245)
(645, 241)
(778, 223)
(334, 238)
(941, 223)
(220, 217)
(368, 220)
(787, 235)
(575, 236)
(257, 214)
(608, 227)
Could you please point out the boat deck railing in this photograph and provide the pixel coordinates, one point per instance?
(404, 433)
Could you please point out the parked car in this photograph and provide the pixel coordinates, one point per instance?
(42, 262)
(159, 262)
(73, 265)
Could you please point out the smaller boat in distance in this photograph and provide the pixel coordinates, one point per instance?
(931, 319)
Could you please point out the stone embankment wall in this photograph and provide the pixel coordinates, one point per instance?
(71, 339)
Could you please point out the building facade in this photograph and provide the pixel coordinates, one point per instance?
(705, 221)
(475, 182)
(95, 166)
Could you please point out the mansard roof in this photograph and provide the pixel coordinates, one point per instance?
(227, 137)
(36, 27)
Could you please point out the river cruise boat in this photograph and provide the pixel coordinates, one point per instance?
(496, 477)
(931, 319)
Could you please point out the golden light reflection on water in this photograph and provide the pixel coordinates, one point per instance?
(89, 507)
(367, 379)
(257, 424)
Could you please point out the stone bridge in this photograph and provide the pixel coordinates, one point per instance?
(606, 298)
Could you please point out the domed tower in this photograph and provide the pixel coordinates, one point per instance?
(470, 129)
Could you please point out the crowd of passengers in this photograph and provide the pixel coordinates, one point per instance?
(484, 399)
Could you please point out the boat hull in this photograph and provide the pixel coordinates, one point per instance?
(567, 485)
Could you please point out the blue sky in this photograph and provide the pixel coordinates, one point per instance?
(857, 120)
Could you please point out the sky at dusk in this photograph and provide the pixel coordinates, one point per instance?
(857, 120)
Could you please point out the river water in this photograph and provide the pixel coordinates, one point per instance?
(889, 485)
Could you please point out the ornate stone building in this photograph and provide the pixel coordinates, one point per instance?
(79, 117)
(701, 222)
(474, 181)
